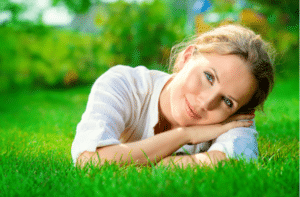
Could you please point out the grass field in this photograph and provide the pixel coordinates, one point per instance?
(37, 129)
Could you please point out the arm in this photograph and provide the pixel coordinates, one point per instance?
(158, 146)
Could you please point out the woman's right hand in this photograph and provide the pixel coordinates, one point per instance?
(203, 133)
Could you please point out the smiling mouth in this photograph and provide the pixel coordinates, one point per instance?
(191, 111)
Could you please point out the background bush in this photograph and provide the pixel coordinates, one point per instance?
(130, 34)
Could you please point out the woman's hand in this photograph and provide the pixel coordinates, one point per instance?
(210, 158)
(203, 133)
(239, 117)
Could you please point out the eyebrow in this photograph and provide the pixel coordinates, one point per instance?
(216, 74)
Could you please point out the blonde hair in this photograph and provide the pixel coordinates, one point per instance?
(241, 41)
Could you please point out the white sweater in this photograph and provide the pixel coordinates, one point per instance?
(123, 107)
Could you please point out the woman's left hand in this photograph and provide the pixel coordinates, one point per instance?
(239, 117)
(203, 159)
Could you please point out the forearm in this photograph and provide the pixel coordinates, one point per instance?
(156, 148)
(203, 159)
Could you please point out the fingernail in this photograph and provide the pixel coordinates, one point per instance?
(250, 121)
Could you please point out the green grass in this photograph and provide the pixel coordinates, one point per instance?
(37, 129)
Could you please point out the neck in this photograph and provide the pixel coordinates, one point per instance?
(164, 107)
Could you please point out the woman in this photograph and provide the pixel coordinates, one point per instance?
(205, 108)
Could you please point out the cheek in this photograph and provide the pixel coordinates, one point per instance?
(176, 94)
(224, 117)
(193, 84)
(218, 116)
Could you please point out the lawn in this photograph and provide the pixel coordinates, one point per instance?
(37, 129)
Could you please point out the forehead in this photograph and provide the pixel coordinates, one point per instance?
(236, 79)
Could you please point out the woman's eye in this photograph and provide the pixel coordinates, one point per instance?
(228, 102)
(209, 77)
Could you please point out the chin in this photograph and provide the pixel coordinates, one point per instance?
(214, 122)
(180, 122)
(185, 123)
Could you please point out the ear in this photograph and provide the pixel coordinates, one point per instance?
(187, 54)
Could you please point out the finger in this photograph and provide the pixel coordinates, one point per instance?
(235, 124)
(241, 117)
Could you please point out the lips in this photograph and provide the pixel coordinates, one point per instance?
(191, 111)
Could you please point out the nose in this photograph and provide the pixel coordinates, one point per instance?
(208, 100)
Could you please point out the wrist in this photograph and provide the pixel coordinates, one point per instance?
(185, 135)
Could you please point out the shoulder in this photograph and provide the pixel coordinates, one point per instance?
(139, 78)
(135, 72)
(123, 69)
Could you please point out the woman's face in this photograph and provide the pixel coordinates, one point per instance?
(206, 90)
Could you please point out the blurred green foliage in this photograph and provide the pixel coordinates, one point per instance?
(131, 34)
(35, 55)
(47, 57)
